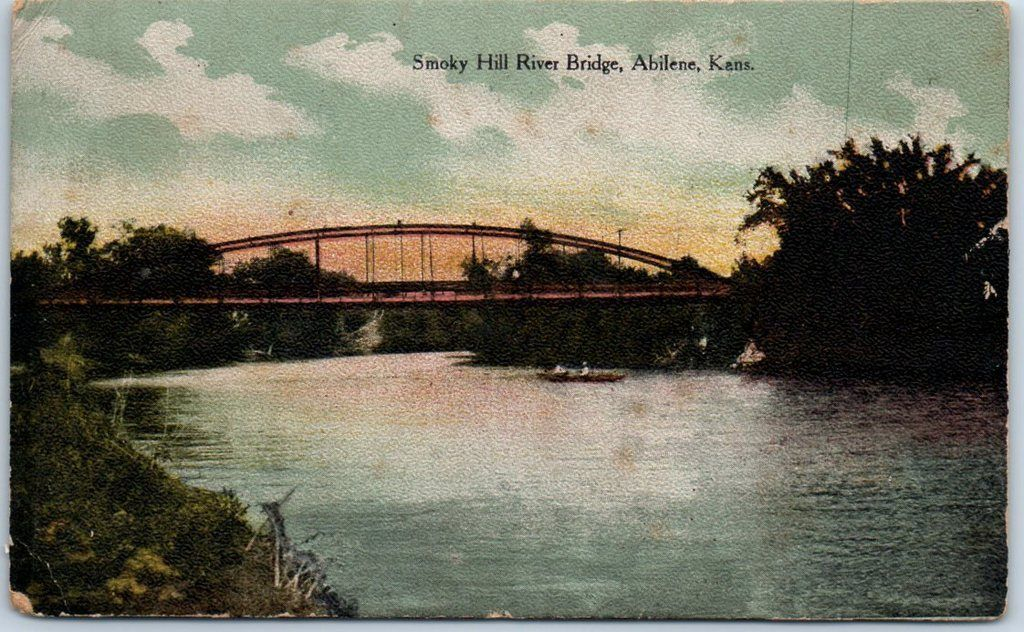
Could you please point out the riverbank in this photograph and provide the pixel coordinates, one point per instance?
(626, 336)
(97, 527)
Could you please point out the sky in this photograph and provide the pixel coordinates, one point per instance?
(236, 118)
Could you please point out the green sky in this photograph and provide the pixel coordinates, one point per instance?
(238, 117)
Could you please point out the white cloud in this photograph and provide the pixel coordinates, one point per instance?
(599, 117)
(456, 110)
(601, 151)
(196, 104)
(632, 150)
(935, 107)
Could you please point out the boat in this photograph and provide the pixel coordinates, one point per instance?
(750, 357)
(576, 376)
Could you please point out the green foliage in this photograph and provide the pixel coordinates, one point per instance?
(293, 332)
(164, 262)
(286, 272)
(32, 278)
(542, 264)
(639, 336)
(883, 262)
(98, 528)
(275, 275)
(480, 273)
(420, 330)
(74, 256)
(152, 262)
(157, 262)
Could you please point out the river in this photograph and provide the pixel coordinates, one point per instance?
(436, 487)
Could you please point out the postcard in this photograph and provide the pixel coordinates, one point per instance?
(510, 309)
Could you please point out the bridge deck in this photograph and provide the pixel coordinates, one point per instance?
(423, 297)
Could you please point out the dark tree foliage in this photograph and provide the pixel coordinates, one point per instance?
(164, 262)
(689, 267)
(279, 273)
(158, 262)
(75, 258)
(637, 336)
(890, 261)
(420, 330)
(32, 278)
(542, 263)
(480, 273)
(286, 272)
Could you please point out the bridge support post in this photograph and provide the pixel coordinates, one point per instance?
(423, 272)
(366, 256)
(618, 271)
(430, 242)
(401, 256)
(316, 256)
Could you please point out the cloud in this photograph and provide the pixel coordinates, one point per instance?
(645, 149)
(661, 154)
(456, 109)
(590, 115)
(934, 108)
(199, 106)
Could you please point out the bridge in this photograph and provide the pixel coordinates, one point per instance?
(679, 284)
(369, 234)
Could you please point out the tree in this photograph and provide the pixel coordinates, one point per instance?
(33, 277)
(480, 273)
(540, 263)
(159, 261)
(689, 268)
(287, 272)
(282, 272)
(880, 262)
(75, 258)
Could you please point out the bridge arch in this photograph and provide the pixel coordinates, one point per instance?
(338, 233)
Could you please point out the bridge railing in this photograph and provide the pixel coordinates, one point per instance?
(418, 292)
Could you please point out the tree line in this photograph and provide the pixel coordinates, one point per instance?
(890, 260)
(158, 262)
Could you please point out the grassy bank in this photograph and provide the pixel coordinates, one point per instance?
(98, 528)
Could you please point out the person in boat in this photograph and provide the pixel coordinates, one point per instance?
(585, 370)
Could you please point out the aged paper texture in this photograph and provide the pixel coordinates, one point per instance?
(664, 310)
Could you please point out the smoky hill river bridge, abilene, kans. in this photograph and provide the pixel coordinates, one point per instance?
(684, 285)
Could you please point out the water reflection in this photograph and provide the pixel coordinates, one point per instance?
(443, 488)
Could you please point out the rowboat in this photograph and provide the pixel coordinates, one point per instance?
(593, 376)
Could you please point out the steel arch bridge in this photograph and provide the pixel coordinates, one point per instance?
(474, 231)
(411, 292)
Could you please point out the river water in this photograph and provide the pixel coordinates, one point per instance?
(435, 487)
